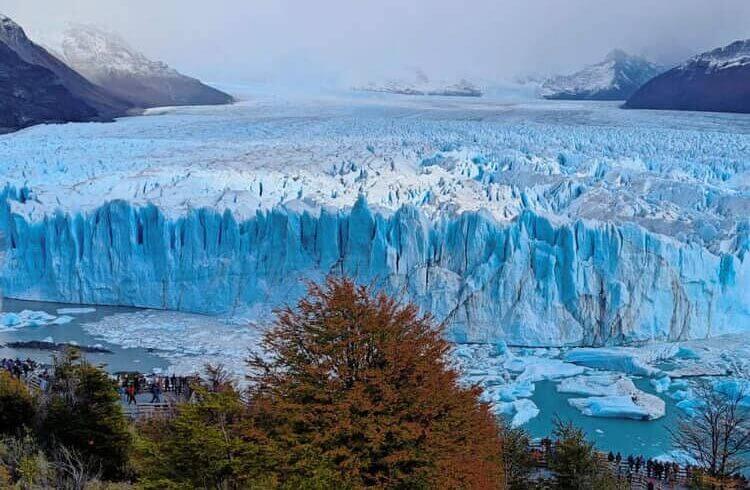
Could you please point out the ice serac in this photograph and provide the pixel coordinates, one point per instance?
(527, 281)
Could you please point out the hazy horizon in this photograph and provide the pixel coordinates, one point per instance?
(334, 42)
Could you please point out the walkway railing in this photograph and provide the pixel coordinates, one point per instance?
(637, 480)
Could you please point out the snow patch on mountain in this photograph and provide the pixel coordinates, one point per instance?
(107, 59)
(421, 84)
(95, 52)
(733, 55)
(616, 78)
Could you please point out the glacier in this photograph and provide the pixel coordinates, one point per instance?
(539, 224)
(529, 282)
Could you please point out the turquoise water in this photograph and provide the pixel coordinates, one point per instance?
(120, 359)
(649, 438)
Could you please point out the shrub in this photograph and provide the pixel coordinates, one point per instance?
(17, 406)
(83, 415)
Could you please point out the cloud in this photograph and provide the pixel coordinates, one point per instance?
(302, 40)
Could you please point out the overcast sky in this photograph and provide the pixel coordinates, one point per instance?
(345, 40)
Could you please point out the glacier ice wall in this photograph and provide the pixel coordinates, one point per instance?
(528, 282)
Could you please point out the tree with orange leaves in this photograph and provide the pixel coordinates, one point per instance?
(358, 383)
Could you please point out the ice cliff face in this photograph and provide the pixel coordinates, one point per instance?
(528, 282)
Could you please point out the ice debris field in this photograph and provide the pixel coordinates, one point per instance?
(566, 230)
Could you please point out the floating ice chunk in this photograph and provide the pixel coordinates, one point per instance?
(525, 411)
(519, 411)
(612, 395)
(677, 456)
(611, 359)
(533, 368)
(62, 320)
(645, 407)
(598, 384)
(39, 316)
(75, 311)
(10, 319)
(734, 388)
(690, 406)
(500, 348)
(687, 353)
(516, 390)
(680, 395)
(661, 384)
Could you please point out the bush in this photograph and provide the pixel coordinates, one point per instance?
(17, 407)
(84, 416)
(366, 383)
(208, 444)
(517, 460)
(575, 462)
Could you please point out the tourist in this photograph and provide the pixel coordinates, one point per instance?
(131, 394)
(155, 392)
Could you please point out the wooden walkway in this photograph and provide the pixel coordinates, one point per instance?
(637, 480)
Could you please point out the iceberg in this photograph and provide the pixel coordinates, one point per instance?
(661, 384)
(10, 319)
(610, 359)
(621, 406)
(520, 411)
(75, 311)
(611, 395)
(597, 384)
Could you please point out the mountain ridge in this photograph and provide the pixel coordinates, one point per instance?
(716, 80)
(615, 78)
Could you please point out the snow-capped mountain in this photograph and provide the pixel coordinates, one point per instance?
(31, 94)
(615, 78)
(421, 84)
(717, 80)
(107, 60)
(106, 105)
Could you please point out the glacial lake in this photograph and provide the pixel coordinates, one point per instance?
(649, 438)
(133, 359)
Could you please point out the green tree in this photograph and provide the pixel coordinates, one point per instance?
(207, 444)
(17, 406)
(82, 413)
(576, 463)
(517, 460)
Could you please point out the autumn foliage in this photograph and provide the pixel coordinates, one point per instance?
(358, 383)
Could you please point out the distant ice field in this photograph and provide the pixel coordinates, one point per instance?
(680, 174)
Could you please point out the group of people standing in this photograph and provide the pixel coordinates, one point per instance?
(656, 470)
(17, 367)
(132, 384)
